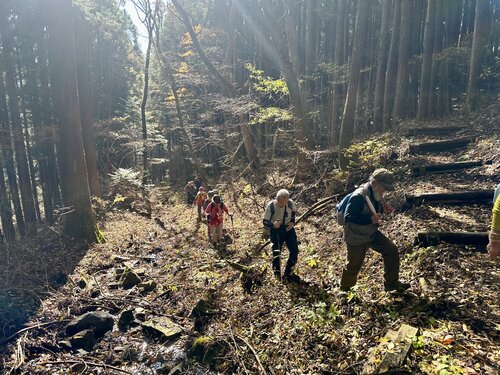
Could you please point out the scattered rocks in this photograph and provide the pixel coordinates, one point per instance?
(98, 321)
(83, 340)
(147, 286)
(129, 279)
(201, 309)
(162, 328)
(206, 350)
(126, 317)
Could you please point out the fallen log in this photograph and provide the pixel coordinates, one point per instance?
(476, 196)
(456, 238)
(446, 167)
(439, 146)
(434, 130)
(391, 352)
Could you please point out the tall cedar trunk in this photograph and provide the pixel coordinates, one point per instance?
(292, 32)
(29, 153)
(228, 88)
(17, 128)
(385, 38)
(80, 220)
(346, 130)
(312, 21)
(338, 87)
(5, 205)
(436, 59)
(425, 81)
(48, 144)
(8, 229)
(8, 159)
(144, 103)
(392, 67)
(481, 31)
(85, 94)
(290, 75)
(402, 86)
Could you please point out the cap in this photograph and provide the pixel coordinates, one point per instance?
(384, 178)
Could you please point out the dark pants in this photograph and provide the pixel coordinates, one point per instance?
(356, 255)
(190, 198)
(278, 238)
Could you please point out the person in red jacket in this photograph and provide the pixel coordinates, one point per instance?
(215, 217)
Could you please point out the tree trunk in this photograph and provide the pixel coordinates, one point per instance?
(338, 87)
(17, 128)
(346, 130)
(392, 67)
(402, 86)
(80, 221)
(385, 38)
(425, 81)
(8, 159)
(82, 42)
(143, 110)
(8, 229)
(481, 30)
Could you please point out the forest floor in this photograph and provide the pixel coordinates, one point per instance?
(250, 322)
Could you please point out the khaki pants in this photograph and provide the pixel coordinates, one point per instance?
(215, 232)
(356, 255)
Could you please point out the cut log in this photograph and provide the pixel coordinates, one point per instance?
(434, 130)
(464, 197)
(445, 168)
(391, 352)
(440, 146)
(457, 238)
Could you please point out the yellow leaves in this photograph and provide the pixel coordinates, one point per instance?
(186, 54)
(118, 199)
(312, 262)
(186, 38)
(247, 189)
(183, 68)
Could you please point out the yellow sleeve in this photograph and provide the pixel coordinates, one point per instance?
(495, 223)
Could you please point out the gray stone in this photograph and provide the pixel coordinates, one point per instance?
(83, 340)
(126, 317)
(98, 321)
(129, 279)
(162, 328)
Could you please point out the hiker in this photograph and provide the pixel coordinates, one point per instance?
(363, 214)
(199, 200)
(198, 182)
(279, 217)
(191, 190)
(210, 195)
(494, 235)
(215, 218)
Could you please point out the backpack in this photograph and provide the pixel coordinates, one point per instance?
(273, 209)
(341, 207)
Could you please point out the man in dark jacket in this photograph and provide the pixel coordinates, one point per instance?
(279, 218)
(363, 215)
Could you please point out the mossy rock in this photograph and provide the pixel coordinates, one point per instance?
(207, 350)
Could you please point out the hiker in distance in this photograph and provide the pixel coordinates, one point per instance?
(199, 201)
(190, 189)
(279, 218)
(215, 218)
(361, 213)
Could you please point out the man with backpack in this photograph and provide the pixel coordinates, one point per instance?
(215, 218)
(361, 213)
(190, 190)
(279, 218)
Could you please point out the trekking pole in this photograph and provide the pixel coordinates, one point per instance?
(234, 233)
(279, 255)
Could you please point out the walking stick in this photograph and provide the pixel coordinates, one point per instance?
(234, 234)
(279, 256)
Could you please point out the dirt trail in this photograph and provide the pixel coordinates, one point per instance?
(299, 328)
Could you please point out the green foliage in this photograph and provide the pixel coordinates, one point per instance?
(321, 314)
(266, 84)
(271, 114)
(367, 154)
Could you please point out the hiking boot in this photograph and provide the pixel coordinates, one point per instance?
(292, 278)
(398, 286)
